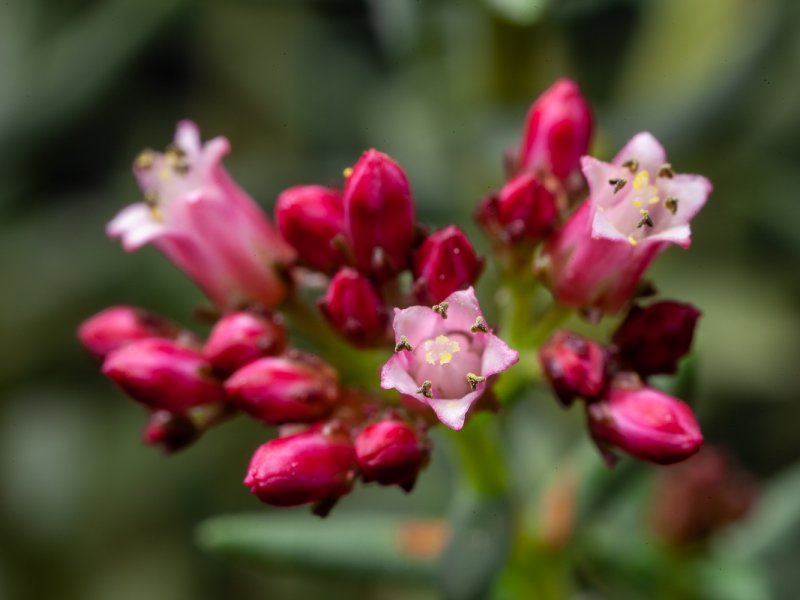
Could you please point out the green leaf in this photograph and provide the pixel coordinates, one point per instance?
(349, 546)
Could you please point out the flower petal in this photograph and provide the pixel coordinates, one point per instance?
(453, 413)
(497, 356)
(462, 310)
(646, 149)
(416, 323)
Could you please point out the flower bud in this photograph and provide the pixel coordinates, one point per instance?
(379, 215)
(311, 219)
(279, 390)
(171, 432)
(445, 263)
(116, 326)
(524, 209)
(574, 366)
(557, 131)
(354, 308)
(653, 339)
(645, 423)
(163, 375)
(390, 452)
(306, 467)
(239, 338)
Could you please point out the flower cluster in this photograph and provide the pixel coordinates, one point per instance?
(390, 290)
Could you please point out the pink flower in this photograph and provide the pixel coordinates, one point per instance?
(444, 356)
(637, 206)
(204, 222)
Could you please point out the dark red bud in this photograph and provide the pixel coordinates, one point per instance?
(162, 374)
(574, 366)
(653, 339)
(525, 208)
(171, 432)
(354, 308)
(557, 131)
(279, 390)
(239, 338)
(391, 452)
(379, 215)
(446, 262)
(302, 468)
(117, 326)
(311, 219)
(645, 423)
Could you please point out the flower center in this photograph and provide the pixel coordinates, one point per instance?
(440, 350)
(161, 176)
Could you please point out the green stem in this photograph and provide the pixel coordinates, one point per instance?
(479, 451)
(549, 322)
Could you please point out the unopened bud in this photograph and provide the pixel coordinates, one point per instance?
(117, 326)
(557, 131)
(391, 452)
(239, 338)
(379, 215)
(645, 423)
(524, 209)
(171, 432)
(311, 219)
(574, 366)
(445, 263)
(303, 468)
(354, 308)
(653, 339)
(279, 390)
(162, 374)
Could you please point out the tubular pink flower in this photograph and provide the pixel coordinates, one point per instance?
(637, 206)
(444, 356)
(197, 216)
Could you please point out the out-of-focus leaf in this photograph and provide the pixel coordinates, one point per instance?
(720, 580)
(358, 546)
(522, 12)
(481, 541)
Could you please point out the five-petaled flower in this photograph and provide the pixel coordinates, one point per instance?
(444, 356)
(637, 206)
(204, 222)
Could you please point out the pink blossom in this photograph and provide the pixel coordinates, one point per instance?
(196, 215)
(445, 355)
(636, 208)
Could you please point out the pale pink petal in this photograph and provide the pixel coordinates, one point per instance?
(497, 356)
(187, 137)
(394, 375)
(692, 191)
(417, 323)
(453, 413)
(462, 310)
(646, 149)
(597, 174)
(135, 226)
(214, 150)
(603, 228)
(677, 234)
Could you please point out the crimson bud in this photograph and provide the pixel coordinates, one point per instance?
(574, 366)
(354, 308)
(390, 452)
(241, 337)
(445, 263)
(116, 326)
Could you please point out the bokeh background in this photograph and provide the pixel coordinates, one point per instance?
(301, 88)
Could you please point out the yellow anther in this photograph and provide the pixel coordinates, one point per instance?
(145, 159)
(479, 325)
(425, 388)
(473, 380)
(642, 179)
(637, 203)
(441, 309)
(440, 350)
(632, 241)
(654, 200)
(403, 344)
(347, 172)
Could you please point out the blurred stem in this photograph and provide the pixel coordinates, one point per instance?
(549, 322)
(356, 367)
(479, 450)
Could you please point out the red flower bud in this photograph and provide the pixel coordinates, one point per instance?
(116, 326)
(354, 308)
(557, 131)
(311, 219)
(653, 339)
(171, 432)
(239, 338)
(645, 423)
(302, 468)
(163, 375)
(574, 366)
(379, 215)
(391, 452)
(279, 390)
(445, 263)
(524, 209)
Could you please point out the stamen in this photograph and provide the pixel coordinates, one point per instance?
(403, 344)
(665, 170)
(671, 203)
(347, 171)
(654, 200)
(425, 389)
(145, 159)
(641, 180)
(618, 183)
(645, 220)
(631, 164)
(632, 241)
(441, 309)
(637, 203)
(479, 325)
(151, 198)
(473, 380)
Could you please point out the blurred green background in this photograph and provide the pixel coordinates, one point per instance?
(301, 88)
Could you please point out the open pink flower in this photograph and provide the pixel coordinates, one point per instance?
(196, 215)
(444, 356)
(637, 206)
